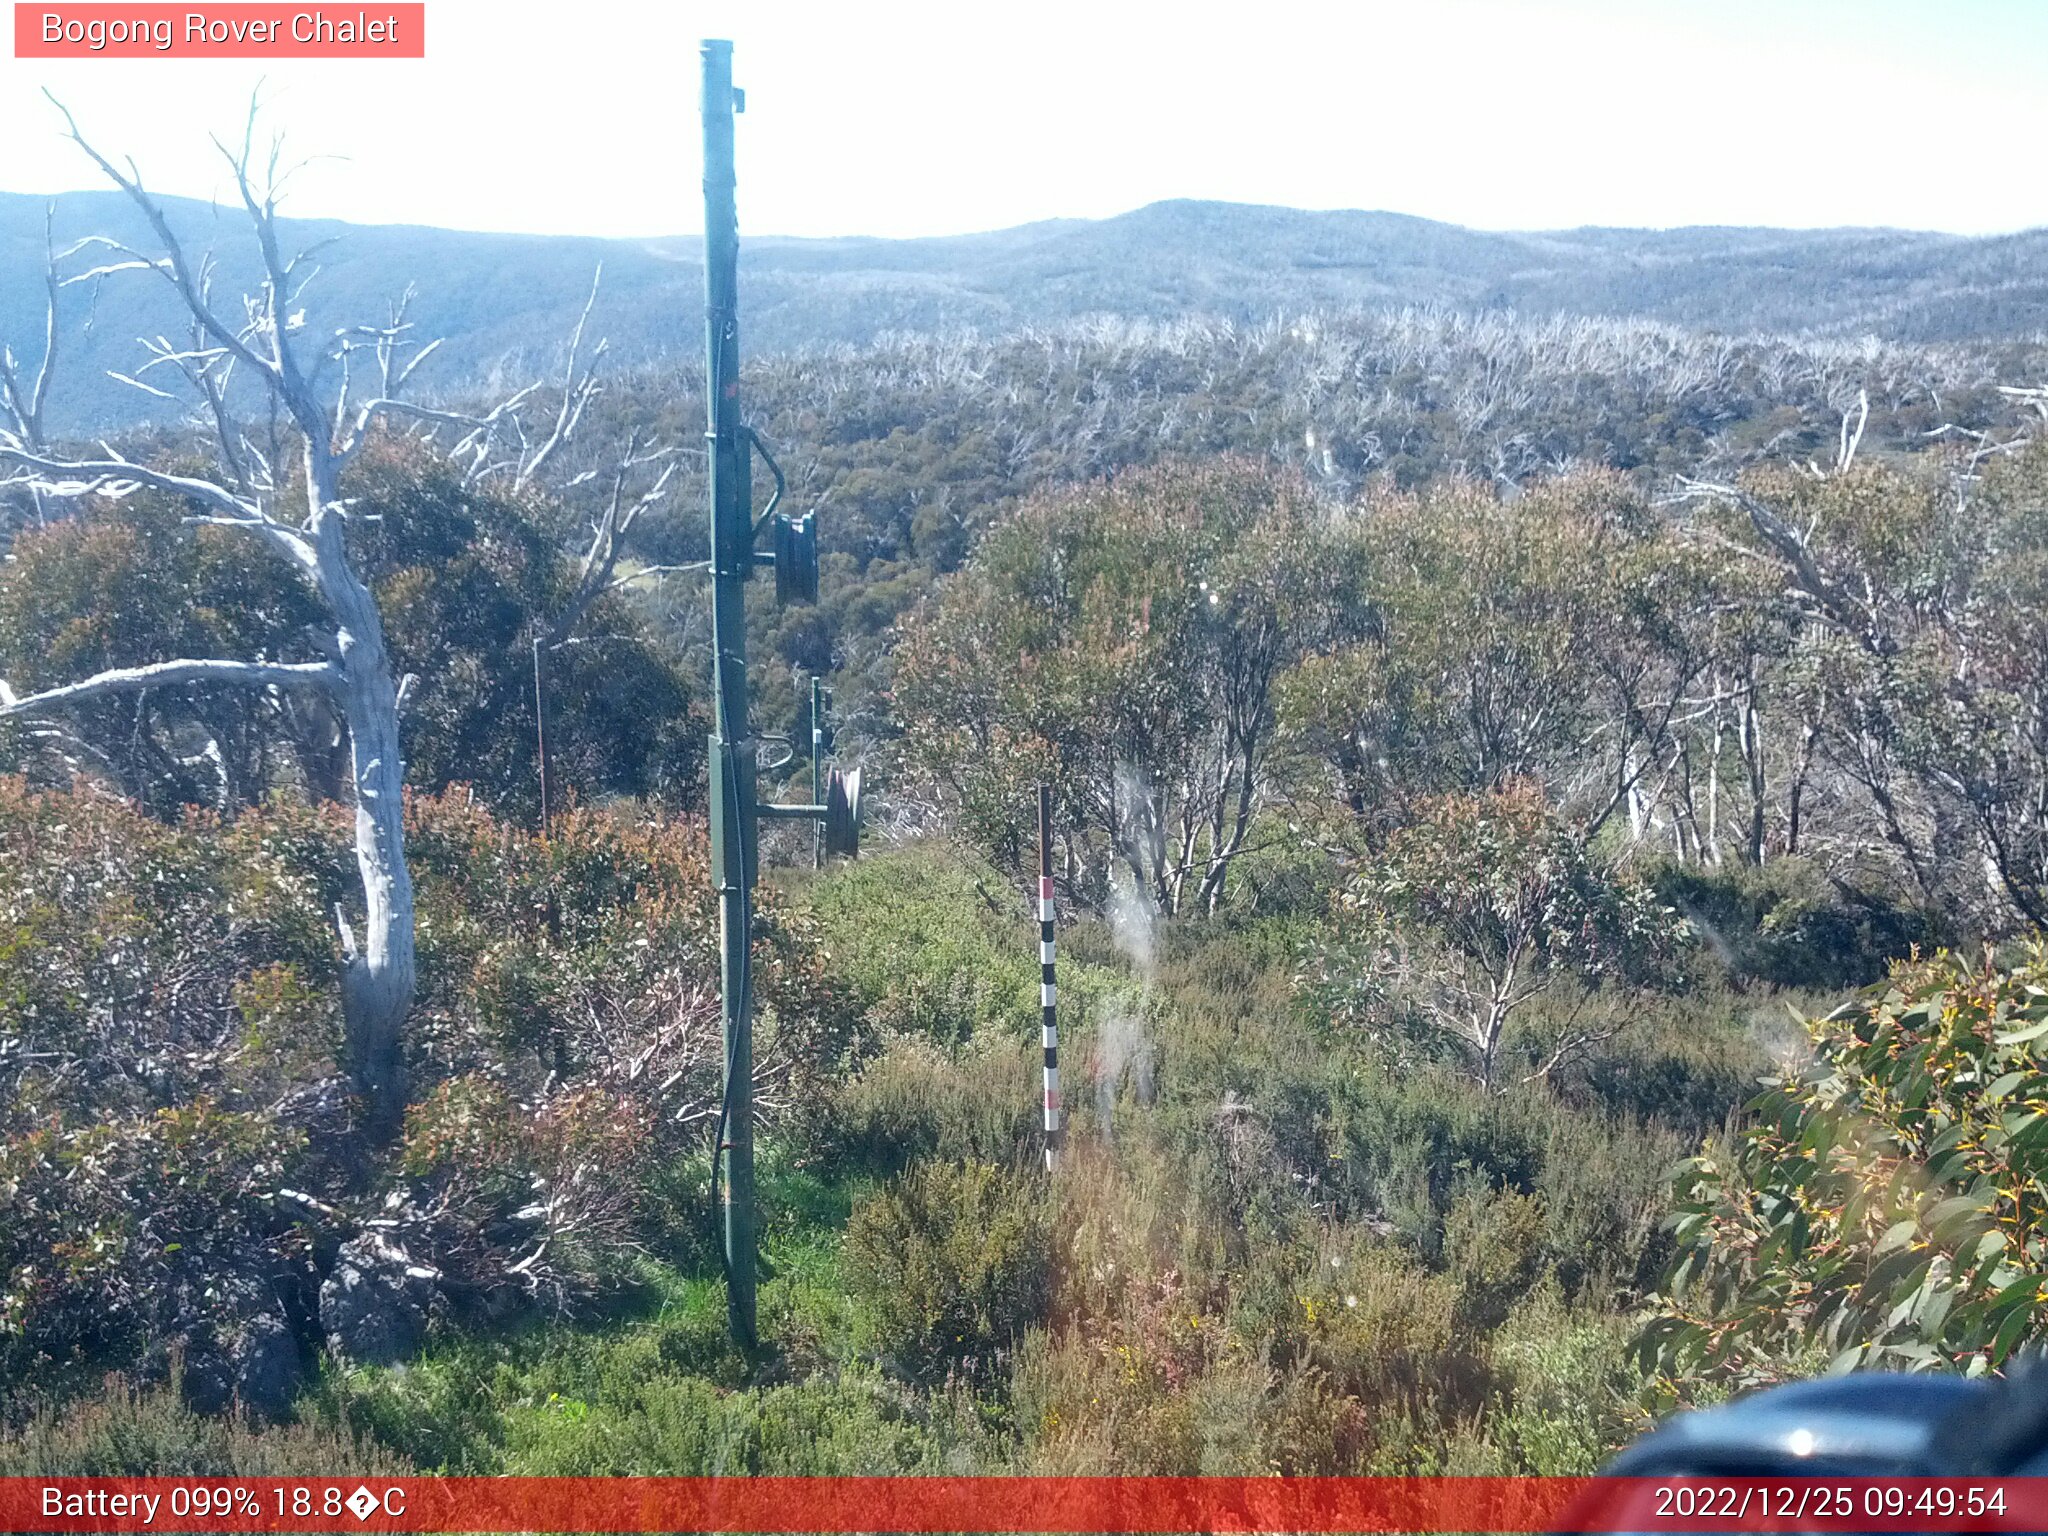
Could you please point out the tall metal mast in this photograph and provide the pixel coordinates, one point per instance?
(732, 747)
(734, 764)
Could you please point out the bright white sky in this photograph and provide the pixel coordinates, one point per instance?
(901, 117)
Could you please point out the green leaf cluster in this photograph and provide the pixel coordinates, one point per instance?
(1888, 1207)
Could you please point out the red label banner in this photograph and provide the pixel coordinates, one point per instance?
(223, 31)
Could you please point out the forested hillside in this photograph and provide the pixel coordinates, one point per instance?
(909, 449)
(1485, 751)
(504, 301)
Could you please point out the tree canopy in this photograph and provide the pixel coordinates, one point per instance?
(466, 577)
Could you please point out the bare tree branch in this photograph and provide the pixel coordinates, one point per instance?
(25, 403)
(577, 391)
(1793, 546)
(358, 679)
(478, 428)
(170, 674)
(174, 266)
(1850, 439)
(249, 491)
(608, 538)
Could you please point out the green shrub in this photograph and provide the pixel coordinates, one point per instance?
(123, 1238)
(1302, 1361)
(1606, 1192)
(169, 1043)
(952, 1262)
(1405, 1151)
(566, 1181)
(1681, 1063)
(1402, 1144)
(592, 953)
(1485, 935)
(1111, 1402)
(1786, 924)
(856, 1425)
(930, 944)
(139, 961)
(1494, 1249)
(917, 1099)
(1381, 1329)
(1566, 1389)
(123, 1431)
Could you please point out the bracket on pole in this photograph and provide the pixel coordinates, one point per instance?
(793, 541)
(796, 559)
(842, 813)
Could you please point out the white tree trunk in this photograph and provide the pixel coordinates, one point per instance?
(377, 986)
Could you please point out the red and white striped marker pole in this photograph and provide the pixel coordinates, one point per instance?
(1048, 989)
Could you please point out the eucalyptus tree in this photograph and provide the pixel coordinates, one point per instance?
(1550, 636)
(1481, 933)
(1123, 640)
(1921, 595)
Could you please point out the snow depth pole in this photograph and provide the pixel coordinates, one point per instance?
(1048, 988)
(818, 766)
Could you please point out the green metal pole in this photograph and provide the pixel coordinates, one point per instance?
(732, 746)
(818, 768)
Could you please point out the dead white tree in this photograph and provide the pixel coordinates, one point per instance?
(300, 517)
(610, 527)
(24, 395)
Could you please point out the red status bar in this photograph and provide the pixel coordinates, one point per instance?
(1049, 1504)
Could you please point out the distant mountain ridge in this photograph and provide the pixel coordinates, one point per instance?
(505, 302)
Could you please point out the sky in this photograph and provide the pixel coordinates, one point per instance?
(902, 118)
